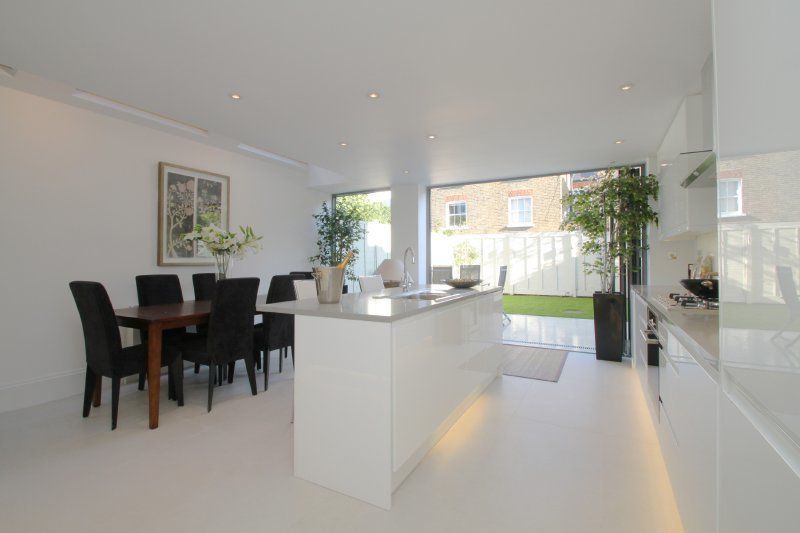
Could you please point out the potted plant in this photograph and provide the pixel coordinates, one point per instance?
(338, 231)
(611, 213)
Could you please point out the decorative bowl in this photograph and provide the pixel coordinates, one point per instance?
(462, 283)
(704, 288)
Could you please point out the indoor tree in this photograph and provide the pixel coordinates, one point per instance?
(611, 214)
(338, 231)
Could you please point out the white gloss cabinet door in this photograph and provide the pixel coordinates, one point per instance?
(696, 427)
(441, 361)
(687, 433)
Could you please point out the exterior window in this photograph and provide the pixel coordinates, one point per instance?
(520, 211)
(729, 197)
(456, 214)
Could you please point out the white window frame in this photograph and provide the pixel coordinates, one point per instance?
(447, 214)
(739, 198)
(512, 224)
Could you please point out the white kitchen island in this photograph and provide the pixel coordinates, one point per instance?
(381, 377)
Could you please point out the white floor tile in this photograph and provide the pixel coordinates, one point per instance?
(577, 455)
(551, 332)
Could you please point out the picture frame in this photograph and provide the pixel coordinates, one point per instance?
(189, 196)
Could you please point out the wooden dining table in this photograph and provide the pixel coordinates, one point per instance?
(154, 319)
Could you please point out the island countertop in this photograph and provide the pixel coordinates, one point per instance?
(383, 306)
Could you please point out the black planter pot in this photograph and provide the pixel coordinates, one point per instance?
(344, 289)
(609, 325)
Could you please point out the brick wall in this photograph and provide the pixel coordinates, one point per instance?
(487, 204)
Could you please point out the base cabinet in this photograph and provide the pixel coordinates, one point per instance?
(685, 417)
(687, 434)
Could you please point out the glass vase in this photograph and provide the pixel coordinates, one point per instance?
(223, 263)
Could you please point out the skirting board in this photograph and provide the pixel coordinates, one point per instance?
(50, 388)
(59, 385)
(42, 390)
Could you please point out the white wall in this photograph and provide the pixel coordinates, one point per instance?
(78, 200)
(410, 226)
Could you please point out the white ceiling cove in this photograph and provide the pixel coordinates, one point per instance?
(510, 88)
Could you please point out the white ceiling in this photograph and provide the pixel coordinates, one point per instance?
(511, 88)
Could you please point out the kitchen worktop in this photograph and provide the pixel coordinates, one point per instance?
(696, 329)
(383, 306)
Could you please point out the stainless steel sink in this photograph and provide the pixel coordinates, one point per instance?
(419, 295)
(425, 295)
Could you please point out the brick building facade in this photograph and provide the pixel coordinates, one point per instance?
(520, 205)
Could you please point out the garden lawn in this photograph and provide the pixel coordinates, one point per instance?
(563, 306)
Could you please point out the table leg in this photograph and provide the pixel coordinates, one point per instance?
(153, 371)
(98, 387)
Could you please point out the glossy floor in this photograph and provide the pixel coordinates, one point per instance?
(577, 455)
(551, 332)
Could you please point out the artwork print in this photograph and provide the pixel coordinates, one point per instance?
(187, 197)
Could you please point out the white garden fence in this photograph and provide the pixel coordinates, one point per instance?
(546, 263)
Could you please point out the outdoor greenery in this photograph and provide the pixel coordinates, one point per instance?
(561, 306)
(338, 231)
(464, 254)
(362, 208)
(611, 213)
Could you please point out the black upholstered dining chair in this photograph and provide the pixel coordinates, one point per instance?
(159, 289)
(105, 355)
(276, 332)
(301, 274)
(204, 284)
(230, 331)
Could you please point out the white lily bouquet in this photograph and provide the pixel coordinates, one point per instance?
(225, 245)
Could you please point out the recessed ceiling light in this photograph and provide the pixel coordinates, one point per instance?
(374, 95)
(405, 172)
(236, 96)
(665, 164)
(135, 111)
(8, 71)
(343, 144)
(431, 137)
(626, 87)
(619, 141)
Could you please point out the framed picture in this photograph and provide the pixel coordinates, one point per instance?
(187, 196)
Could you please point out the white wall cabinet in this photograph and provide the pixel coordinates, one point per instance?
(685, 212)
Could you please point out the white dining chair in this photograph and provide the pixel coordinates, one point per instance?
(305, 289)
(371, 283)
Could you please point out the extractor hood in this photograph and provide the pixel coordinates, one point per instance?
(699, 169)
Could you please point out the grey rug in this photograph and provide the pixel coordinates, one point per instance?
(534, 363)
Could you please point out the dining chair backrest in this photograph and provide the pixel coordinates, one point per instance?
(371, 283)
(280, 327)
(301, 275)
(158, 289)
(100, 331)
(470, 272)
(305, 289)
(501, 282)
(204, 285)
(788, 289)
(440, 274)
(230, 326)
(281, 289)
